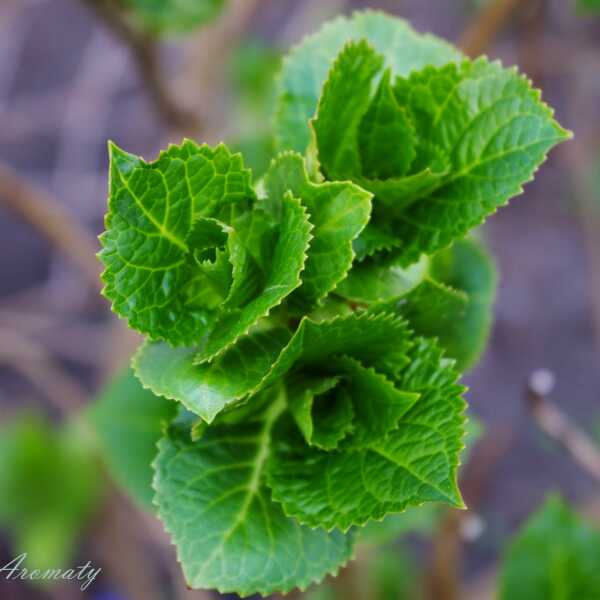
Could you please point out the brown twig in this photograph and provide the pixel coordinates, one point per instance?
(47, 215)
(121, 551)
(145, 53)
(443, 580)
(202, 77)
(557, 425)
(480, 33)
(33, 362)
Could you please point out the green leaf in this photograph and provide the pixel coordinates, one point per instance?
(372, 240)
(379, 341)
(390, 147)
(262, 358)
(375, 280)
(414, 463)
(306, 67)
(50, 489)
(457, 312)
(229, 535)
(150, 228)
(555, 556)
(588, 5)
(342, 105)
(324, 419)
(432, 309)
(495, 131)
(174, 16)
(129, 421)
(338, 213)
(207, 389)
(467, 267)
(386, 135)
(377, 402)
(288, 258)
(471, 134)
(190, 256)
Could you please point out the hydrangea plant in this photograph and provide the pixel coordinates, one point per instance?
(311, 327)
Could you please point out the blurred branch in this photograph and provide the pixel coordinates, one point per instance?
(444, 582)
(33, 362)
(61, 335)
(46, 214)
(482, 587)
(557, 425)
(444, 579)
(120, 549)
(203, 74)
(145, 54)
(481, 32)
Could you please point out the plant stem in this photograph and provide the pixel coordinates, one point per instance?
(550, 419)
(481, 32)
(145, 53)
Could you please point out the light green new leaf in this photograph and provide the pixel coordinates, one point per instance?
(386, 135)
(375, 280)
(229, 535)
(306, 67)
(174, 16)
(287, 262)
(414, 463)
(555, 556)
(344, 100)
(338, 213)
(207, 389)
(323, 418)
(129, 421)
(378, 142)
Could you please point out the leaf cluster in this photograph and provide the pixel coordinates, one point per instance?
(311, 325)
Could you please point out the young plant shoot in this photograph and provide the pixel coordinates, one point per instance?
(311, 327)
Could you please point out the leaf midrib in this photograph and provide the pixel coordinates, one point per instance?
(253, 487)
(159, 226)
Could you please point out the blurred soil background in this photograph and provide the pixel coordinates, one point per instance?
(67, 84)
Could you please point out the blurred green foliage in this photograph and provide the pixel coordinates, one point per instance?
(128, 421)
(164, 17)
(49, 488)
(252, 71)
(588, 5)
(467, 266)
(555, 556)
